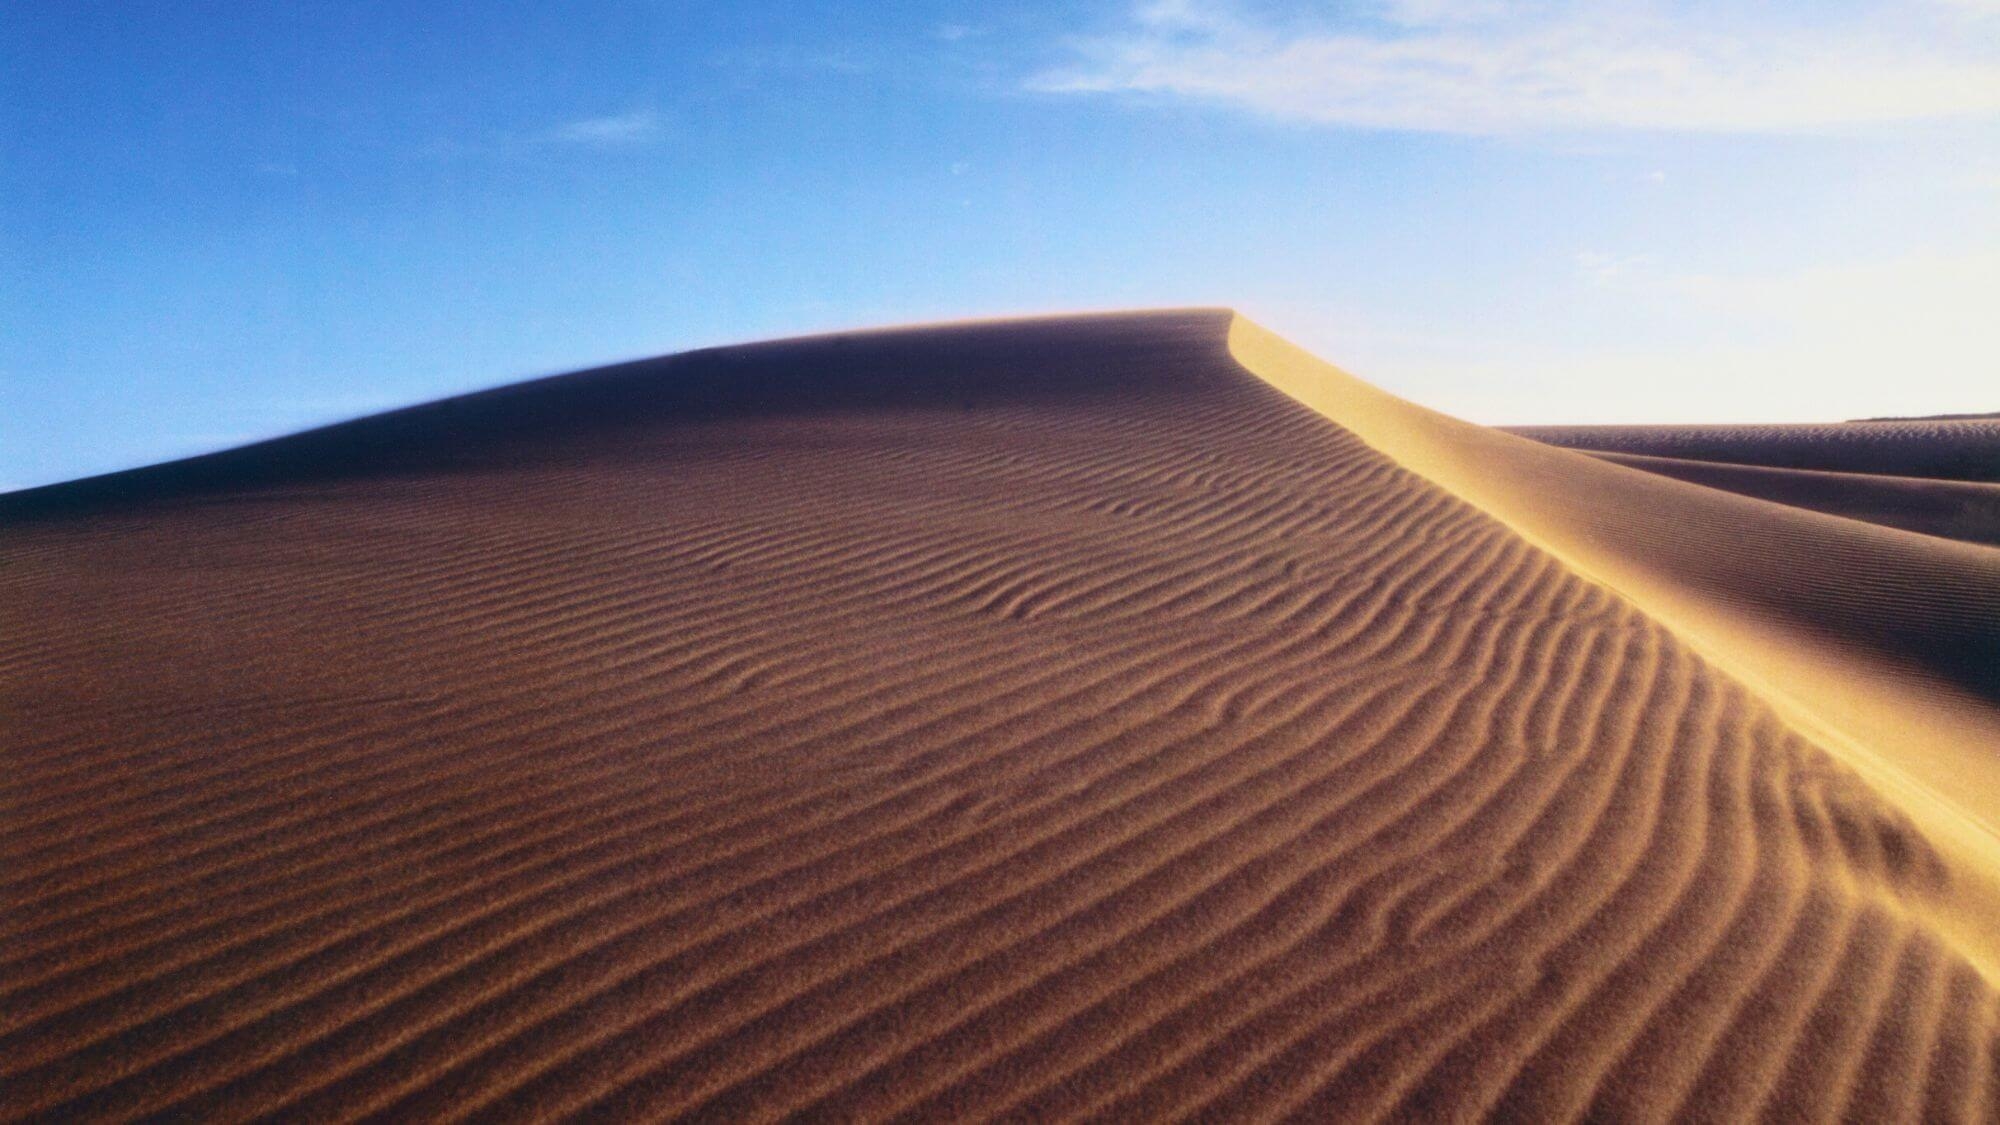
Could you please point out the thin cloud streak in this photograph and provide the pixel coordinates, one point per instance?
(1480, 67)
(621, 129)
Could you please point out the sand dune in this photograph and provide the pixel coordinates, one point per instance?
(1964, 447)
(1949, 509)
(1124, 716)
(1884, 645)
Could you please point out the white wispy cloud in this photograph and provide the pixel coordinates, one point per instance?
(619, 129)
(1489, 66)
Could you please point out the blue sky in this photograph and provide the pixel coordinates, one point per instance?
(226, 221)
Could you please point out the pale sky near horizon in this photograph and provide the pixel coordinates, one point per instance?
(228, 221)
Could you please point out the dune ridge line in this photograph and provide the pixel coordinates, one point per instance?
(1803, 607)
(1037, 720)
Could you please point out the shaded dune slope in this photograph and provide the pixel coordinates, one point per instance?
(1044, 719)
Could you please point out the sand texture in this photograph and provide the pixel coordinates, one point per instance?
(1124, 717)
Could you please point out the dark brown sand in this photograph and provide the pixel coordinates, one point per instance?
(1045, 720)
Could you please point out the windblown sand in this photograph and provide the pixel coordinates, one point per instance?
(1122, 717)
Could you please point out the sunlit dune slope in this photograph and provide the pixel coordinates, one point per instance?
(1884, 644)
(1046, 718)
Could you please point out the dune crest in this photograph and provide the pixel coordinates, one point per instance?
(1039, 720)
(1883, 645)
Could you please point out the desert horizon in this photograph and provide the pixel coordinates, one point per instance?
(1127, 716)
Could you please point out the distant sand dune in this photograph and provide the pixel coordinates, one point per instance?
(1041, 719)
(1951, 448)
(1949, 509)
